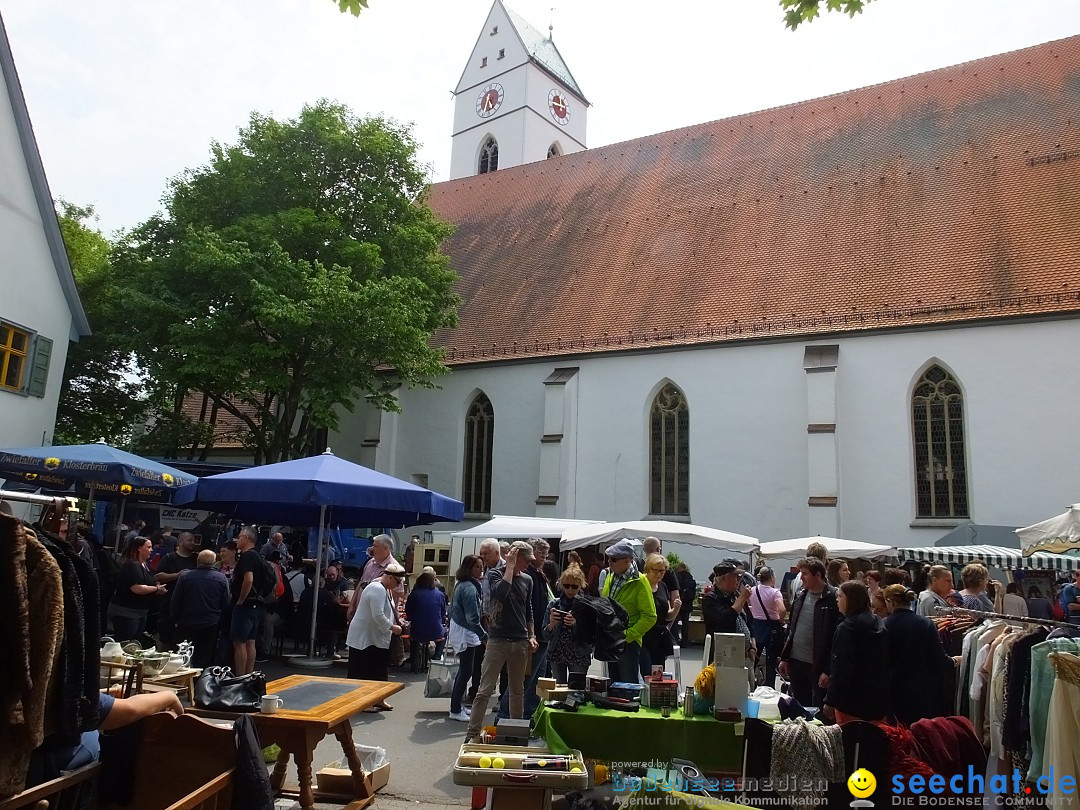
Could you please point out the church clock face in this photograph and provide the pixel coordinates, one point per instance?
(559, 107)
(489, 100)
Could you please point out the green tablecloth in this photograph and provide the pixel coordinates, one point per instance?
(645, 736)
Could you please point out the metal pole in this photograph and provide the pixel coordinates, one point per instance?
(119, 524)
(318, 571)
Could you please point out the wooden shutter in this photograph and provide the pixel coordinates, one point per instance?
(39, 368)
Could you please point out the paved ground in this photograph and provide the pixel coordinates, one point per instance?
(421, 741)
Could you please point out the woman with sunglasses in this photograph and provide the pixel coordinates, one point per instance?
(566, 652)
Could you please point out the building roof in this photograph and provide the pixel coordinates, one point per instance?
(40, 184)
(947, 197)
(542, 50)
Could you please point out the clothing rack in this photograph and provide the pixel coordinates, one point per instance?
(986, 614)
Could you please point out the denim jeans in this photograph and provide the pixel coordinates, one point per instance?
(465, 668)
(126, 629)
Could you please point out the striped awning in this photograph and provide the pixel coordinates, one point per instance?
(994, 556)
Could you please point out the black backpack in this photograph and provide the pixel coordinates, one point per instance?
(265, 581)
(602, 622)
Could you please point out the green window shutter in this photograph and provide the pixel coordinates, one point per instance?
(39, 369)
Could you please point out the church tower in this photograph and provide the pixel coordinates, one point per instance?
(516, 101)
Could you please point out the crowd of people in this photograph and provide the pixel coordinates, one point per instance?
(833, 636)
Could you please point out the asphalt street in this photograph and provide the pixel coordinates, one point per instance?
(421, 741)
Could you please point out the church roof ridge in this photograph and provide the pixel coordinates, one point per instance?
(936, 199)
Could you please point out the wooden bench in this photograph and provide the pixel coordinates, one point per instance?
(208, 754)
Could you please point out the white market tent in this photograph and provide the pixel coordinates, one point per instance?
(664, 530)
(845, 549)
(994, 556)
(1058, 534)
(510, 527)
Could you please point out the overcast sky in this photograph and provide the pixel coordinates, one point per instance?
(125, 94)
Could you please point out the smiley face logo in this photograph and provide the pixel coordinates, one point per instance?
(125, 489)
(30, 476)
(167, 479)
(862, 784)
(52, 463)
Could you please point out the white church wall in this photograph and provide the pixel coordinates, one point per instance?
(508, 131)
(750, 450)
(541, 127)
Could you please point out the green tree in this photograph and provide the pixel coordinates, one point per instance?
(800, 11)
(100, 397)
(796, 12)
(296, 272)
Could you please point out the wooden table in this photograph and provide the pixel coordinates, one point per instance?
(182, 678)
(313, 708)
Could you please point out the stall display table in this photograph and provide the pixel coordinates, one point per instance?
(643, 736)
(313, 708)
(181, 679)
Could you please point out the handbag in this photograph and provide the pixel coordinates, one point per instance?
(219, 690)
(441, 676)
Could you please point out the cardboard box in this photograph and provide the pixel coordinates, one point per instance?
(337, 779)
(339, 782)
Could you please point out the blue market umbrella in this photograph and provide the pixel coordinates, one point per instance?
(321, 491)
(95, 468)
(93, 471)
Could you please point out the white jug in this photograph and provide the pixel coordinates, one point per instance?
(111, 651)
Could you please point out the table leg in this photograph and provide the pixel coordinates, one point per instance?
(343, 732)
(303, 771)
(277, 778)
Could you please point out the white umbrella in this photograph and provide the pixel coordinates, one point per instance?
(1058, 534)
(664, 530)
(512, 527)
(847, 549)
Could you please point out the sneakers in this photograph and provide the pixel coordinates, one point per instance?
(262, 660)
(462, 716)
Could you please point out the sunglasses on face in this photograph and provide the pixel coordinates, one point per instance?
(568, 586)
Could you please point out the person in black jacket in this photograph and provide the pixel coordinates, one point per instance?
(920, 664)
(806, 659)
(860, 654)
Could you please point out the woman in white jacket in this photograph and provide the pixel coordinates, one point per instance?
(373, 624)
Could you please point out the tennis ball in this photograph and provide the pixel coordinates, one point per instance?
(498, 763)
(542, 763)
(575, 768)
(485, 761)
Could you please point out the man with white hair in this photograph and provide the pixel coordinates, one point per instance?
(277, 543)
(200, 597)
(382, 555)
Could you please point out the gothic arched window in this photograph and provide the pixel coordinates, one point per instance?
(937, 416)
(479, 435)
(489, 156)
(669, 453)
(554, 150)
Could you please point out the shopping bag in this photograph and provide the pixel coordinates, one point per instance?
(219, 690)
(440, 678)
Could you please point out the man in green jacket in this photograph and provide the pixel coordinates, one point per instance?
(631, 590)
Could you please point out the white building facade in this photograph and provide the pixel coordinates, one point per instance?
(786, 438)
(40, 311)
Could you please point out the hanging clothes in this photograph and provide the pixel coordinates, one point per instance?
(1062, 755)
(31, 579)
(1042, 687)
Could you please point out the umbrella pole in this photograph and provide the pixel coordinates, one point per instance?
(119, 524)
(309, 661)
(318, 570)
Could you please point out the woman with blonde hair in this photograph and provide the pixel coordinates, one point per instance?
(566, 651)
(939, 591)
(919, 663)
(976, 580)
(657, 644)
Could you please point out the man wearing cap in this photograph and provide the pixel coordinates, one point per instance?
(624, 585)
(511, 635)
(723, 607)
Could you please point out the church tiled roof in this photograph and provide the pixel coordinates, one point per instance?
(945, 197)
